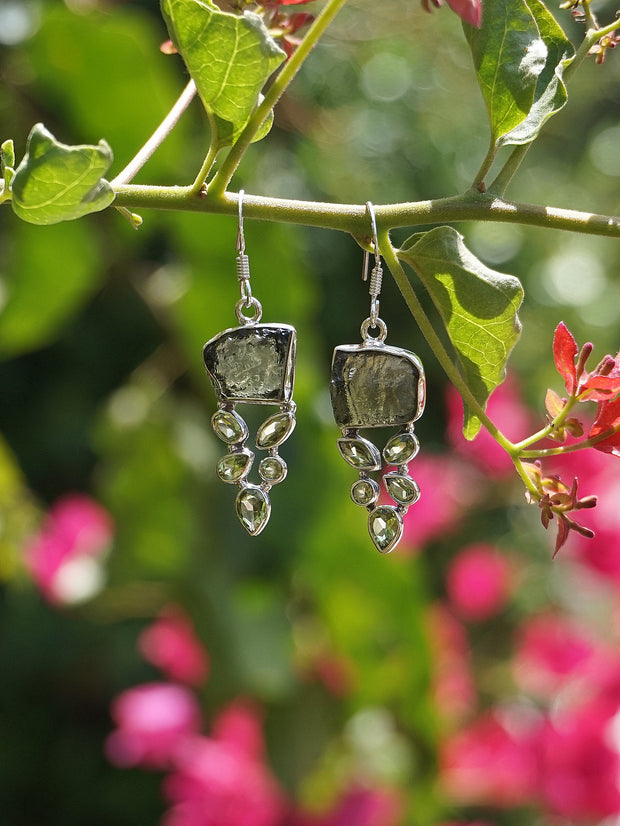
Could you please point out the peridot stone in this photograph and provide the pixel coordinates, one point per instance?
(229, 426)
(359, 453)
(385, 526)
(401, 488)
(234, 466)
(401, 449)
(272, 469)
(275, 430)
(364, 492)
(253, 509)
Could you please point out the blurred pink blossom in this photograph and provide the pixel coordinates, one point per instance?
(171, 644)
(453, 682)
(507, 411)
(551, 649)
(359, 805)
(479, 581)
(153, 721)
(462, 823)
(64, 558)
(468, 10)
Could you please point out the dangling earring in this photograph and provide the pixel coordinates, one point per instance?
(252, 364)
(373, 385)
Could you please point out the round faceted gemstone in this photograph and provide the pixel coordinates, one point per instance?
(272, 469)
(359, 453)
(385, 526)
(365, 492)
(401, 449)
(401, 488)
(253, 509)
(234, 466)
(275, 430)
(229, 426)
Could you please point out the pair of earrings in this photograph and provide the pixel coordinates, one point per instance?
(372, 385)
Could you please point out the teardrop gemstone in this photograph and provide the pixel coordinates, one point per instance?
(385, 526)
(401, 449)
(253, 509)
(272, 469)
(234, 466)
(403, 489)
(359, 453)
(229, 426)
(275, 430)
(364, 492)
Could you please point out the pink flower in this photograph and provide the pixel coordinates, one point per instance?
(453, 683)
(479, 581)
(551, 650)
(360, 805)
(239, 725)
(469, 10)
(64, 558)
(171, 644)
(154, 721)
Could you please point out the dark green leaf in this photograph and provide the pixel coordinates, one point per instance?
(477, 305)
(55, 182)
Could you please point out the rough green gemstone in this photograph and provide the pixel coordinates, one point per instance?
(234, 466)
(272, 469)
(359, 453)
(229, 427)
(364, 492)
(386, 527)
(275, 430)
(402, 489)
(401, 449)
(253, 509)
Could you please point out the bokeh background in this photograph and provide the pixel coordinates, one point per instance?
(159, 665)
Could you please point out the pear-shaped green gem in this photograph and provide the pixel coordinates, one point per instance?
(364, 492)
(229, 426)
(385, 526)
(234, 466)
(359, 453)
(401, 488)
(401, 449)
(275, 430)
(253, 509)
(272, 469)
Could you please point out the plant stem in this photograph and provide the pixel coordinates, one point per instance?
(157, 138)
(487, 163)
(206, 166)
(506, 173)
(561, 450)
(276, 90)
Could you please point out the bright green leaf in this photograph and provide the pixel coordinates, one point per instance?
(477, 305)
(509, 55)
(228, 56)
(55, 182)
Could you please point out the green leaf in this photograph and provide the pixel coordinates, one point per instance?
(225, 134)
(550, 95)
(55, 182)
(228, 56)
(477, 305)
(509, 56)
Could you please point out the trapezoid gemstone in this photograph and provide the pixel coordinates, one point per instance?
(275, 430)
(253, 509)
(401, 449)
(365, 492)
(373, 385)
(403, 489)
(229, 426)
(359, 453)
(385, 526)
(272, 469)
(233, 467)
(253, 363)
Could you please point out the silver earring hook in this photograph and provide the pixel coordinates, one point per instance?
(247, 300)
(240, 233)
(376, 278)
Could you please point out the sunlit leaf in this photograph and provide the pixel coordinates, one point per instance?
(477, 305)
(55, 182)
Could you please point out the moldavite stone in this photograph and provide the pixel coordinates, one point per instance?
(253, 363)
(229, 426)
(401, 449)
(359, 453)
(272, 469)
(275, 430)
(234, 466)
(253, 509)
(386, 527)
(364, 492)
(373, 385)
(402, 488)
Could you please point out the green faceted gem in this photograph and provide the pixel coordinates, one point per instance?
(359, 453)
(402, 489)
(275, 430)
(364, 492)
(386, 528)
(272, 469)
(253, 509)
(234, 466)
(229, 427)
(401, 449)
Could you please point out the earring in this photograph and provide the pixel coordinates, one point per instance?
(252, 364)
(373, 385)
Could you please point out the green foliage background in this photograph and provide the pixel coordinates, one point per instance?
(102, 389)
